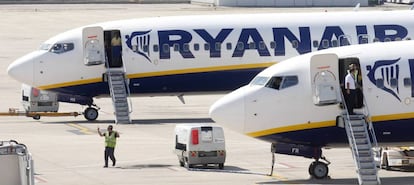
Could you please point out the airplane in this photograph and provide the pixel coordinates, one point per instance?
(187, 55)
(297, 104)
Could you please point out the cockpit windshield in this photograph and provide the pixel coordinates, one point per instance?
(282, 82)
(59, 48)
(260, 80)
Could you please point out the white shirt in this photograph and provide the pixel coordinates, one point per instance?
(349, 79)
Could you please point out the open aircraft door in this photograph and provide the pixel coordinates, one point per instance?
(324, 79)
(93, 46)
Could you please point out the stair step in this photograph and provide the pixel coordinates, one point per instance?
(368, 171)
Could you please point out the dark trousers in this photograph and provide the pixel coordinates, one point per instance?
(109, 152)
(350, 101)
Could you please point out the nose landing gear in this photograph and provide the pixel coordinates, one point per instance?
(91, 113)
(317, 169)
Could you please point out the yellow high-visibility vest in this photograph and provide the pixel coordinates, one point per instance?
(110, 140)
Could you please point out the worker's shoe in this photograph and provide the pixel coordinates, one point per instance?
(113, 163)
(105, 166)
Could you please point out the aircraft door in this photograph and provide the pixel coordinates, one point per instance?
(113, 48)
(93, 46)
(324, 79)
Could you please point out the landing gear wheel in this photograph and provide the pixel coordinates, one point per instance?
(318, 169)
(36, 117)
(90, 114)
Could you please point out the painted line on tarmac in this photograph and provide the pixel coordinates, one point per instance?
(39, 179)
(81, 129)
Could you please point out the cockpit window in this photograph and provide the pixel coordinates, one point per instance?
(260, 80)
(44, 46)
(282, 82)
(59, 48)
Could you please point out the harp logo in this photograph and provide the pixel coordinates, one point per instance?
(139, 42)
(386, 74)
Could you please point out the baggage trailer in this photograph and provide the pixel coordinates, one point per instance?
(16, 164)
(38, 103)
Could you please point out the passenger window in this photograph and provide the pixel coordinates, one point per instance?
(186, 47)
(315, 44)
(295, 44)
(218, 46)
(408, 38)
(262, 45)
(394, 83)
(59, 48)
(166, 48)
(273, 44)
(155, 48)
(376, 40)
(176, 47)
(344, 41)
(206, 46)
(145, 48)
(240, 46)
(325, 43)
(407, 82)
(252, 45)
(387, 39)
(398, 39)
(335, 43)
(196, 47)
(228, 46)
(379, 83)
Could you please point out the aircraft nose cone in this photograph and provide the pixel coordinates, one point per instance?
(229, 111)
(22, 69)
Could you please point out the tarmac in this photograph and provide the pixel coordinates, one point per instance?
(68, 150)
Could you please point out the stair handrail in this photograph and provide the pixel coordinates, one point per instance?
(128, 89)
(372, 132)
(349, 130)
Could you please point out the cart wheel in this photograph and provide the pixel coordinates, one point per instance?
(36, 117)
(221, 166)
(90, 114)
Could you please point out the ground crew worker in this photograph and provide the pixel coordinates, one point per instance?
(350, 87)
(110, 142)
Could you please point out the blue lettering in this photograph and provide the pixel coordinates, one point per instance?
(215, 49)
(166, 38)
(361, 31)
(390, 32)
(411, 64)
(329, 33)
(243, 43)
(303, 44)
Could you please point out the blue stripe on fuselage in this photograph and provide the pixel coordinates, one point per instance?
(395, 131)
(217, 81)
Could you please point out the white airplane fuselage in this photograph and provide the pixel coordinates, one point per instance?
(200, 54)
(292, 113)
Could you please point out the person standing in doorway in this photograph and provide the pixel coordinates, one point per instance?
(110, 142)
(350, 88)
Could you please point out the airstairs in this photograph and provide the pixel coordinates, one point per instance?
(361, 140)
(119, 92)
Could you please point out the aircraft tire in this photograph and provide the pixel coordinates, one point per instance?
(36, 117)
(90, 114)
(318, 169)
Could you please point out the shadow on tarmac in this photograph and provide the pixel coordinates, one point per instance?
(140, 121)
(384, 181)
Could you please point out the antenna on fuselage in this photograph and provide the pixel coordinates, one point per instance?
(356, 8)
